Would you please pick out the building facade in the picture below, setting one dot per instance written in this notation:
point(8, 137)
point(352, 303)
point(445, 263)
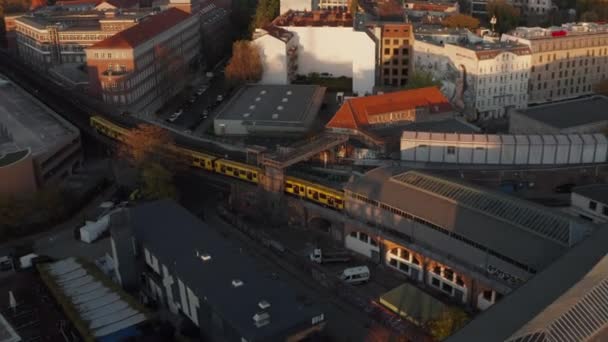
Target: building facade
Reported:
point(279, 54)
point(395, 53)
point(465, 242)
point(216, 32)
point(566, 61)
point(590, 202)
point(481, 78)
point(56, 38)
point(139, 69)
point(326, 41)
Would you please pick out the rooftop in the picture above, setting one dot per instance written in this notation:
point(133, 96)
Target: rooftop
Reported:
point(79, 20)
point(27, 123)
point(274, 31)
point(278, 105)
point(595, 192)
point(565, 302)
point(570, 113)
point(453, 125)
point(556, 32)
point(145, 30)
point(228, 262)
point(314, 18)
point(483, 49)
point(528, 233)
point(354, 113)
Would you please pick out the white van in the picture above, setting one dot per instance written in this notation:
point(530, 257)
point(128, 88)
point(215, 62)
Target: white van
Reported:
point(355, 275)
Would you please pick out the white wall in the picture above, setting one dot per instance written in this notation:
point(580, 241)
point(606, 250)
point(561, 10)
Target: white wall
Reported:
point(273, 53)
point(295, 5)
point(340, 51)
point(579, 206)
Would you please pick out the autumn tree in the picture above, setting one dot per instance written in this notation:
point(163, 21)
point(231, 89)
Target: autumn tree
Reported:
point(265, 12)
point(507, 16)
point(421, 79)
point(149, 150)
point(245, 65)
point(448, 322)
point(354, 6)
point(461, 21)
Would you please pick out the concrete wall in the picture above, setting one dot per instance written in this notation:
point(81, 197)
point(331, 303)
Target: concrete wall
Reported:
point(340, 51)
point(18, 177)
point(273, 53)
point(579, 206)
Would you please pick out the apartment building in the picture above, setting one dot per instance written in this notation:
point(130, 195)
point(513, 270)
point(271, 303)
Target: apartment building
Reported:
point(139, 69)
point(430, 12)
point(468, 243)
point(216, 32)
point(481, 78)
point(567, 61)
point(396, 42)
point(279, 53)
point(328, 43)
point(528, 8)
point(54, 38)
point(314, 5)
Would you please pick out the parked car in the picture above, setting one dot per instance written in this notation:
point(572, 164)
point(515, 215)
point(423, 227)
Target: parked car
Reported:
point(175, 115)
point(220, 98)
point(209, 75)
point(200, 91)
point(565, 188)
point(192, 99)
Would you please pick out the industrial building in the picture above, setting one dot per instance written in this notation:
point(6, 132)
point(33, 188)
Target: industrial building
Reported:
point(141, 68)
point(495, 149)
point(326, 41)
point(586, 115)
point(37, 146)
point(590, 202)
point(210, 280)
point(463, 241)
point(271, 110)
point(566, 302)
point(566, 61)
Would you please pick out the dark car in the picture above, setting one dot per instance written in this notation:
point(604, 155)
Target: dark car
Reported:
point(564, 188)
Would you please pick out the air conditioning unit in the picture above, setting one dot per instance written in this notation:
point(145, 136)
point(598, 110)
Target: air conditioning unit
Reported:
point(261, 319)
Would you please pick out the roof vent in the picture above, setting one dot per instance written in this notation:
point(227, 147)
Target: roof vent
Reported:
point(263, 304)
point(280, 108)
point(262, 92)
point(261, 319)
point(246, 115)
point(275, 116)
point(285, 99)
point(257, 99)
point(289, 92)
point(237, 283)
point(252, 107)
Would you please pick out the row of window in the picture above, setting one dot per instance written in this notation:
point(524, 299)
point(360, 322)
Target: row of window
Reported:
point(569, 43)
point(441, 230)
point(399, 42)
point(404, 52)
point(593, 206)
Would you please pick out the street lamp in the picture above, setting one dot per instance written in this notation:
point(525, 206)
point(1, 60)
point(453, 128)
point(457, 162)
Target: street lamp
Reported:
point(493, 22)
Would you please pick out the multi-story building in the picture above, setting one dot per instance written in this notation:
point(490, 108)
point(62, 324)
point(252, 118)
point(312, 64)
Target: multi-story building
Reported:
point(481, 78)
point(216, 32)
point(139, 69)
point(200, 275)
point(61, 37)
point(430, 12)
point(471, 244)
point(279, 53)
point(590, 202)
point(566, 61)
point(37, 146)
point(314, 5)
point(528, 8)
point(395, 51)
point(326, 41)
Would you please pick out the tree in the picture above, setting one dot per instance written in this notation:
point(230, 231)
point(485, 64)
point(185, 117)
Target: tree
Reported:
point(265, 12)
point(245, 65)
point(507, 16)
point(448, 322)
point(354, 6)
point(462, 21)
point(157, 182)
point(421, 79)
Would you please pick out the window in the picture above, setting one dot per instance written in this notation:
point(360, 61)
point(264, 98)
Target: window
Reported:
point(592, 205)
point(363, 237)
point(387, 51)
point(396, 41)
point(387, 42)
point(404, 51)
point(447, 288)
point(434, 281)
point(395, 51)
point(393, 262)
point(487, 295)
point(403, 267)
point(451, 150)
point(605, 211)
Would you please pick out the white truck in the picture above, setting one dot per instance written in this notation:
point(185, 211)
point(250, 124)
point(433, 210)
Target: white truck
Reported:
point(317, 255)
point(355, 275)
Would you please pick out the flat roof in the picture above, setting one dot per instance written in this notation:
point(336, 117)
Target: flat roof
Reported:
point(570, 113)
point(565, 302)
point(523, 231)
point(27, 123)
point(451, 125)
point(275, 105)
point(228, 262)
point(596, 192)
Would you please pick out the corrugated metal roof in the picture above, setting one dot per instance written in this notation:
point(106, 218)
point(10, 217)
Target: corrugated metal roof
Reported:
point(543, 223)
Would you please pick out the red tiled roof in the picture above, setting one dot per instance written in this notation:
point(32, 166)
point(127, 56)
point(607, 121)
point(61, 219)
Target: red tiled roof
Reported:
point(123, 3)
point(145, 30)
point(354, 113)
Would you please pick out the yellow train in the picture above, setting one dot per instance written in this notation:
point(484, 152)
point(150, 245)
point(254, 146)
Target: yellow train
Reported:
point(311, 191)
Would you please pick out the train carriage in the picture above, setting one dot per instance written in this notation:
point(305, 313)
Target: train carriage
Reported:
point(108, 128)
point(238, 170)
point(196, 159)
point(315, 192)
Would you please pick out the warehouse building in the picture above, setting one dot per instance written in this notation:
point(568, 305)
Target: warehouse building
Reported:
point(37, 146)
point(271, 110)
point(493, 149)
point(468, 243)
point(590, 202)
point(209, 279)
point(586, 115)
point(566, 302)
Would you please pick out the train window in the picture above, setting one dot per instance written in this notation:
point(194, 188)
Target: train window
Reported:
point(223, 168)
point(228, 168)
point(323, 196)
point(249, 176)
point(315, 195)
point(288, 186)
point(339, 201)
